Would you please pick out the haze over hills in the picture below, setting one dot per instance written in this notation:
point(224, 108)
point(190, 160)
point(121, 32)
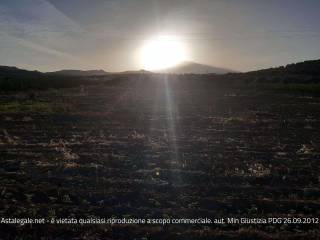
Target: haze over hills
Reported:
point(307, 68)
point(185, 67)
point(196, 68)
point(83, 73)
point(142, 71)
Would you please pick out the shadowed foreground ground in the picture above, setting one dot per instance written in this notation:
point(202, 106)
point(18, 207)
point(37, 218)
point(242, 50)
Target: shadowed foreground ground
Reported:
point(159, 150)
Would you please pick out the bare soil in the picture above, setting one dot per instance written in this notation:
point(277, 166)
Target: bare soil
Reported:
point(165, 149)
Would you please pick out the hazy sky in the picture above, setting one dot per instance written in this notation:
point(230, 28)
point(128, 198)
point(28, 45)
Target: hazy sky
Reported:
point(92, 34)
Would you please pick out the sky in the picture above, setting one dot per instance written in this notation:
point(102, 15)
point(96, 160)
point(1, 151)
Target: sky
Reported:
point(242, 35)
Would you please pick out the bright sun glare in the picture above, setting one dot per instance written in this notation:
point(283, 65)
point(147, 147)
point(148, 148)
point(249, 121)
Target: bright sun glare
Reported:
point(162, 52)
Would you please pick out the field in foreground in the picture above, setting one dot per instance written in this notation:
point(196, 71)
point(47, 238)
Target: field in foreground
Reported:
point(159, 149)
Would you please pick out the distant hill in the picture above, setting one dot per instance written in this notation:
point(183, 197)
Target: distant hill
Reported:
point(195, 68)
point(310, 67)
point(14, 72)
point(306, 72)
point(82, 73)
point(13, 79)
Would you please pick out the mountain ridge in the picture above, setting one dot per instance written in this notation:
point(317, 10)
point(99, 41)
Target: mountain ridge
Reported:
point(309, 67)
point(190, 67)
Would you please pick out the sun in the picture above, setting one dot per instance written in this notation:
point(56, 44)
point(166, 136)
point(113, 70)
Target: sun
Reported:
point(162, 52)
